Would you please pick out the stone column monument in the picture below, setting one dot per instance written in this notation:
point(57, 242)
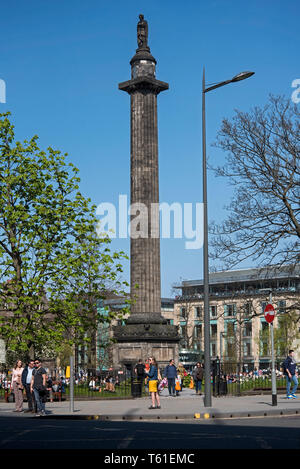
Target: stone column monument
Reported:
point(146, 332)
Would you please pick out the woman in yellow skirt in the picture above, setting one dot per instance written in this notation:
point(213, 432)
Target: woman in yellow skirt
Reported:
point(153, 381)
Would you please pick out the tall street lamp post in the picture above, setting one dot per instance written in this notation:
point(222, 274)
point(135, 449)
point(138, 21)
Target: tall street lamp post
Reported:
point(207, 386)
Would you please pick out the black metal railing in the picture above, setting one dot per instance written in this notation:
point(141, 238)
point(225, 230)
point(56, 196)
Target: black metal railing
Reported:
point(227, 378)
point(115, 384)
point(231, 378)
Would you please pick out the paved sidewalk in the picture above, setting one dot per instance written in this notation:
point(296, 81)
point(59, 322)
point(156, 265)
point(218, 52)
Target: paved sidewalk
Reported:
point(187, 406)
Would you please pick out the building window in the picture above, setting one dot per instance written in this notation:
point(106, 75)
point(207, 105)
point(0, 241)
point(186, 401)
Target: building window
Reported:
point(247, 309)
point(247, 329)
point(247, 349)
point(183, 313)
point(198, 331)
point(281, 306)
point(170, 322)
point(213, 310)
point(230, 310)
point(214, 331)
point(198, 312)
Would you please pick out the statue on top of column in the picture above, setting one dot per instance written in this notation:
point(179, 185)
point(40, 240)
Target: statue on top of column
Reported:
point(142, 33)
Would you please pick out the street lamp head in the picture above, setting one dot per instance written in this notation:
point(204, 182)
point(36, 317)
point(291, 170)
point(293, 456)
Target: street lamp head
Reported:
point(238, 77)
point(242, 76)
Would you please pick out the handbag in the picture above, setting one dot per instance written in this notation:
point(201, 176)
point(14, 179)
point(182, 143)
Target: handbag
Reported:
point(177, 385)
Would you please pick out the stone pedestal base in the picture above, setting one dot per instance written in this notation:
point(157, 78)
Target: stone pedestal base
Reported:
point(127, 353)
point(135, 341)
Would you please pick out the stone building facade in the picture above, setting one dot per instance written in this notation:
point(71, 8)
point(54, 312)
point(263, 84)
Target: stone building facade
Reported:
point(238, 329)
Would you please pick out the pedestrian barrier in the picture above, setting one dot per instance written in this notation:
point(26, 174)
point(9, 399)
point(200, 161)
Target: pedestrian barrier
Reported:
point(227, 378)
point(235, 379)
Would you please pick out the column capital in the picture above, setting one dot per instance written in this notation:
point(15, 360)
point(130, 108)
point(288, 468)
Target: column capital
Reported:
point(144, 85)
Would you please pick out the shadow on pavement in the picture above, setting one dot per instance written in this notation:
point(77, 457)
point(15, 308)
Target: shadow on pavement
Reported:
point(39, 433)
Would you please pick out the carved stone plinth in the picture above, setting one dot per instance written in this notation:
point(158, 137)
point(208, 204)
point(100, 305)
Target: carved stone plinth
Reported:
point(147, 332)
point(129, 352)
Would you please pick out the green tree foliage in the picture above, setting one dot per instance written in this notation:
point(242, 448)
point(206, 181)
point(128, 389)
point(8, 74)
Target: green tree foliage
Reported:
point(54, 266)
point(286, 333)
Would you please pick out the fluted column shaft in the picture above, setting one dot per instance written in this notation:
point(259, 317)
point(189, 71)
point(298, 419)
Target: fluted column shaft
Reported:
point(145, 250)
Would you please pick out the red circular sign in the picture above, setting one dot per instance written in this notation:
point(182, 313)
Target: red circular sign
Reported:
point(269, 313)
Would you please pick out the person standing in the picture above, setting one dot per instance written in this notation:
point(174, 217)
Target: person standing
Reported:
point(178, 385)
point(140, 373)
point(49, 385)
point(17, 386)
point(38, 386)
point(291, 375)
point(171, 374)
point(26, 380)
point(92, 384)
point(147, 368)
point(153, 379)
point(198, 377)
point(140, 370)
point(182, 373)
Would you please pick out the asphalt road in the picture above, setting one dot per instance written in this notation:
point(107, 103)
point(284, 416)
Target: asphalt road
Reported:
point(249, 433)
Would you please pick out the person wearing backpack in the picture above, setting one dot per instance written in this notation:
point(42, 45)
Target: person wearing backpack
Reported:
point(140, 373)
point(290, 371)
point(140, 370)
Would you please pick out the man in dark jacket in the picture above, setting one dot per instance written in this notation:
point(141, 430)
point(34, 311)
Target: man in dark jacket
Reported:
point(291, 374)
point(38, 386)
point(171, 374)
point(140, 369)
point(198, 377)
point(140, 372)
point(26, 380)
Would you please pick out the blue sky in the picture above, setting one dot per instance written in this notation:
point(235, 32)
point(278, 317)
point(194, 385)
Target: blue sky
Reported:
point(62, 62)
